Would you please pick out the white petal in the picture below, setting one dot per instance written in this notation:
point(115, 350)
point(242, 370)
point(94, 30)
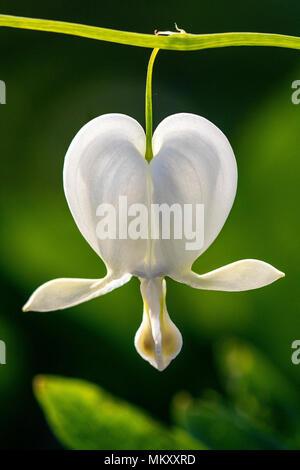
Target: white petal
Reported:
point(193, 164)
point(63, 293)
point(157, 340)
point(104, 161)
point(242, 275)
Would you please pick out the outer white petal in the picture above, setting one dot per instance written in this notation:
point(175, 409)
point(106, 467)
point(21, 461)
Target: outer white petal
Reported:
point(242, 275)
point(157, 340)
point(104, 161)
point(193, 164)
point(63, 293)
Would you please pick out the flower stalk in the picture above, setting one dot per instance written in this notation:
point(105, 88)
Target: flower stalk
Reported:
point(179, 42)
point(148, 107)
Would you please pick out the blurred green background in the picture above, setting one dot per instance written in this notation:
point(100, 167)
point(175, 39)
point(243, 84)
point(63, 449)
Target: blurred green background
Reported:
point(233, 385)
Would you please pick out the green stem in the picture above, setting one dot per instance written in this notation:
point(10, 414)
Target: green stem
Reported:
point(180, 42)
point(148, 107)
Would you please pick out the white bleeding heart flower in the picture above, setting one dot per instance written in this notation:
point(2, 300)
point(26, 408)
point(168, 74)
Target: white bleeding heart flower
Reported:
point(193, 163)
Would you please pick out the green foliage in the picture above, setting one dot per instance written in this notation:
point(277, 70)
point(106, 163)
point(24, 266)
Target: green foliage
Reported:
point(260, 391)
point(83, 416)
point(262, 410)
point(219, 425)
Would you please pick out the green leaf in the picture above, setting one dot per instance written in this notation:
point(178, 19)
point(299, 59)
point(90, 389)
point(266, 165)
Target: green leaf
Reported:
point(220, 426)
point(85, 417)
point(180, 42)
point(259, 390)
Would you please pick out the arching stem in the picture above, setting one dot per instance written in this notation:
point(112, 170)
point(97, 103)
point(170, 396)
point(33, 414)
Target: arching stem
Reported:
point(148, 107)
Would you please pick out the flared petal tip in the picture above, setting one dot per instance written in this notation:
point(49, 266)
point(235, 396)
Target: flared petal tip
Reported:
point(240, 276)
point(274, 274)
point(67, 292)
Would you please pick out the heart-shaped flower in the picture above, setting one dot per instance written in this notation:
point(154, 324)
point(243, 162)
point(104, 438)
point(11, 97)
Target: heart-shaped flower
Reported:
point(193, 165)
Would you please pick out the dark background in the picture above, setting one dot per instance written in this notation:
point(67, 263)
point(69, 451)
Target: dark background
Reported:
point(57, 83)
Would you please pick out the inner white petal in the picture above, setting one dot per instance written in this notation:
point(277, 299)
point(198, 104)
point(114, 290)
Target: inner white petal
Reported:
point(157, 340)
